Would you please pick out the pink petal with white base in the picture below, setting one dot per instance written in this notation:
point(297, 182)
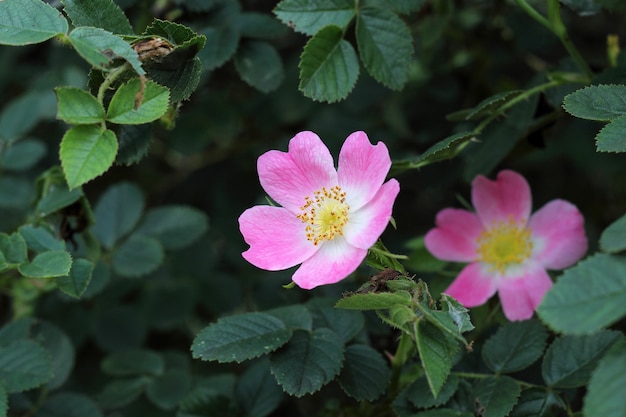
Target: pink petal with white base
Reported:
point(521, 295)
point(474, 285)
point(289, 177)
point(506, 198)
point(335, 260)
point(276, 238)
point(365, 225)
point(362, 168)
point(454, 238)
point(558, 235)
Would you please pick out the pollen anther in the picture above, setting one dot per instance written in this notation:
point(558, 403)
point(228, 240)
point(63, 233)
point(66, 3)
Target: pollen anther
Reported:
point(325, 214)
point(504, 244)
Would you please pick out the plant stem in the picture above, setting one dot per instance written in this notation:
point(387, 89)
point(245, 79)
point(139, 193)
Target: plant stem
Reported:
point(403, 353)
point(108, 80)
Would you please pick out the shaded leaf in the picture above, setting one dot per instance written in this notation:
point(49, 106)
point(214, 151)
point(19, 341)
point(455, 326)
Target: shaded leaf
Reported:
point(24, 364)
point(259, 65)
point(294, 316)
point(104, 14)
point(40, 239)
point(537, 402)
point(346, 324)
point(117, 212)
point(605, 392)
point(613, 238)
point(137, 256)
point(77, 281)
point(54, 263)
point(22, 155)
point(496, 396)
point(309, 16)
point(68, 404)
point(121, 392)
point(515, 346)
point(174, 226)
point(100, 47)
point(221, 45)
point(13, 247)
point(365, 373)
point(421, 396)
point(257, 391)
point(133, 362)
point(61, 351)
point(436, 350)
point(612, 137)
point(167, 390)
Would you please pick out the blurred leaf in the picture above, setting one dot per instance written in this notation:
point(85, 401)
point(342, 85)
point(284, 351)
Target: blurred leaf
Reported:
point(221, 45)
point(57, 197)
point(259, 65)
point(167, 390)
point(25, 22)
point(23, 113)
point(587, 297)
point(308, 361)
point(420, 395)
point(385, 46)
point(198, 5)
point(447, 148)
point(436, 350)
point(605, 390)
point(24, 364)
point(18, 329)
point(4, 401)
point(174, 226)
point(100, 278)
point(515, 346)
point(54, 263)
point(597, 102)
point(496, 396)
point(40, 239)
point(345, 323)
point(537, 402)
point(583, 7)
point(104, 14)
point(13, 247)
point(77, 281)
point(22, 155)
point(134, 143)
point(87, 151)
point(310, 16)
point(59, 348)
point(240, 337)
point(365, 373)
point(611, 137)
point(117, 212)
point(118, 328)
point(77, 106)
point(457, 312)
point(570, 360)
point(99, 48)
point(259, 26)
point(613, 238)
point(374, 301)
point(257, 391)
point(133, 362)
point(130, 105)
point(488, 107)
point(328, 66)
point(137, 256)
point(399, 6)
point(68, 404)
point(294, 316)
point(121, 392)
point(15, 192)
point(614, 5)
point(169, 305)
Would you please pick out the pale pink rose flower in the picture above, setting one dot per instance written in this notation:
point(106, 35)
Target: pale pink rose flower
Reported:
point(329, 217)
point(508, 250)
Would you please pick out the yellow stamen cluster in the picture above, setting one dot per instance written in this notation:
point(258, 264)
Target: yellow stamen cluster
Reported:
point(504, 244)
point(325, 214)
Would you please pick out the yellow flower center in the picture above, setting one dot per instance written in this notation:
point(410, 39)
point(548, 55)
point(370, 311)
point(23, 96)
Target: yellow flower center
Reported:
point(325, 214)
point(506, 243)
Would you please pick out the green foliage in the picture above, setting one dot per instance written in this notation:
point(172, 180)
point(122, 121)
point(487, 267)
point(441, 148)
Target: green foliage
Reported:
point(365, 374)
point(100, 13)
point(259, 64)
point(309, 17)
point(496, 396)
point(150, 102)
point(25, 22)
point(613, 238)
point(54, 263)
point(515, 346)
point(24, 364)
point(606, 385)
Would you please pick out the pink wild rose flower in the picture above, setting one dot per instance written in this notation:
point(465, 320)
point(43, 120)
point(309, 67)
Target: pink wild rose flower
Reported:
point(329, 217)
point(508, 250)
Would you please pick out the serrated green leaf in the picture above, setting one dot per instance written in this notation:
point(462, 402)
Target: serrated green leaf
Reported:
point(257, 391)
point(385, 46)
point(587, 297)
point(374, 301)
point(137, 256)
point(100, 47)
point(76, 282)
point(605, 392)
point(310, 16)
point(13, 247)
point(515, 346)
point(328, 66)
point(345, 323)
point(68, 404)
point(133, 362)
point(496, 396)
point(365, 373)
point(294, 316)
point(241, 337)
point(420, 395)
point(24, 364)
point(259, 65)
point(24, 22)
point(131, 105)
point(22, 155)
point(167, 390)
point(597, 102)
point(570, 360)
point(457, 312)
point(488, 107)
point(612, 137)
point(537, 402)
point(436, 349)
point(444, 149)
point(122, 392)
point(40, 239)
point(57, 197)
point(61, 351)
point(174, 226)
point(221, 45)
point(174, 32)
point(50, 264)
point(117, 212)
point(308, 361)
point(87, 151)
point(134, 143)
point(613, 238)
point(104, 14)
point(77, 106)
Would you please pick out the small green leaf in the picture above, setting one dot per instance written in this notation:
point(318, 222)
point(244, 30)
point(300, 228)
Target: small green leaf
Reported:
point(308, 362)
point(587, 297)
point(132, 106)
point(87, 151)
point(134, 143)
point(613, 238)
point(515, 346)
point(122, 392)
point(24, 22)
point(310, 16)
point(365, 374)
point(77, 106)
point(446, 149)
point(257, 391)
point(77, 281)
point(24, 364)
point(13, 247)
point(537, 402)
point(491, 106)
point(458, 313)
point(58, 197)
point(117, 212)
point(345, 323)
point(100, 47)
point(420, 395)
point(385, 46)
point(54, 263)
point(496, 396)
point(104, 14)
point(133, 362)
point(137, 256)
point(241, 337)
point(570, 360)
point(612, 137)
point(174, 226)
point(221, 45)
point(167, 390)
point(22, 155)
point(374, 301)
point(68, 404)
point(259, 65)
point(40, 239)
point(60, 349)
point(436, 350)
point(328, 65)
point(597, 102)
point(605, 392)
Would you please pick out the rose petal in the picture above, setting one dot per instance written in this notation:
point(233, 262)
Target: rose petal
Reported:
point(474, 285)
point(558, 235)
point(289, 177)
point(334, 261)
point(521, 294)
point(366, 225)
point(455, 237)
point(362, 168)
point(506, 198)
point(276, 237)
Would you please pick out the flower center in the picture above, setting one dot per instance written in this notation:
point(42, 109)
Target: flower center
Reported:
point(504, 244)
point(325, 214)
